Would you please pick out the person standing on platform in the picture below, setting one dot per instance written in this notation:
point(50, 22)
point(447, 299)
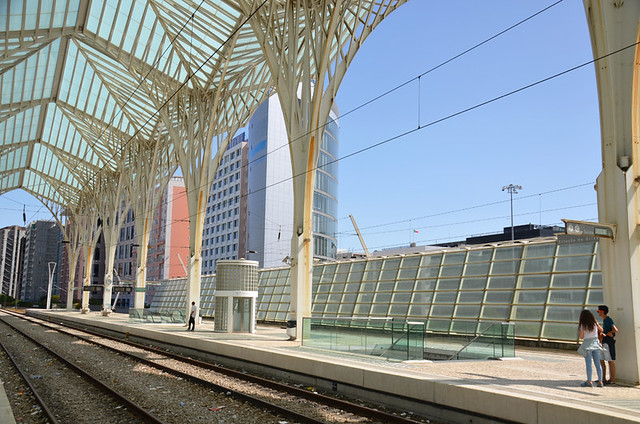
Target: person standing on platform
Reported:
point(192, 317)
point(588, 329)
point(609, 331)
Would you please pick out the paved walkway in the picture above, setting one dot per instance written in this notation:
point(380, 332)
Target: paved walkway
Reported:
point(542, 380)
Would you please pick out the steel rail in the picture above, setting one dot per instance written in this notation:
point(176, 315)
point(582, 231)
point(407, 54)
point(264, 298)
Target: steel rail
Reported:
point(135, 409)
point(255, 401)
point(295, 391)
point(45, 408)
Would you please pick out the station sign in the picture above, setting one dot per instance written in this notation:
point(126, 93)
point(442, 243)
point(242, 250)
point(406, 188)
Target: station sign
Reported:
point(573, 239)
point(593, 229)
point(122, 289)
point(93, 288)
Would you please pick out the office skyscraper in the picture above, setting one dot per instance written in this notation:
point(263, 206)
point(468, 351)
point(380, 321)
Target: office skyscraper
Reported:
point(250, 208)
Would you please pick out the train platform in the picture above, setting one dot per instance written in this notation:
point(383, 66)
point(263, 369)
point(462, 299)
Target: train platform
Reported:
point(538, 386)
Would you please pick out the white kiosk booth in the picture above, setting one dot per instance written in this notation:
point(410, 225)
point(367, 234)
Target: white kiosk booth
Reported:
point(236, 295)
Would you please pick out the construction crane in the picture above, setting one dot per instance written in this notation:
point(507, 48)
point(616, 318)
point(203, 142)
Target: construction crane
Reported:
point(364, 246)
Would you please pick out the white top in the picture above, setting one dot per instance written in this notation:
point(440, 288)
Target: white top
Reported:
point(590, 334)
point(193, 310)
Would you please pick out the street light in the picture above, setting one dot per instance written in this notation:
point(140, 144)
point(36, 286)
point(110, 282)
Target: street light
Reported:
point(52, 269)
point(512, 189)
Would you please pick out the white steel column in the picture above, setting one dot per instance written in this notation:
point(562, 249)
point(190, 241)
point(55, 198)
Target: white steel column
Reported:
point(113, 203)
point(614, 27)
point(90, 231)
point(308, 46)
point(153, 170)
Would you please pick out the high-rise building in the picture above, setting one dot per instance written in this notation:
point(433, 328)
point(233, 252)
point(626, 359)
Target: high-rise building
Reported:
point(125, 260)
point(225, 230)
point(169, 241)
point(11, 253)
point(43, 241)
point(270, 188)
point(250, 207)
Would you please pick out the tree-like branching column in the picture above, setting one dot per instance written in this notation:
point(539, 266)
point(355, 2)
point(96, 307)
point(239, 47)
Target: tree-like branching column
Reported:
point(308, 46)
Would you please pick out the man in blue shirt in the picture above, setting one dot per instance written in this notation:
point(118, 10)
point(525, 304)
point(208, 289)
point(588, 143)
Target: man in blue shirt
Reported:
point(608, 333)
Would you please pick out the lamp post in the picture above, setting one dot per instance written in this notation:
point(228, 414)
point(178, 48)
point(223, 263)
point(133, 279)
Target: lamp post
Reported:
point(52, 269)
point(512, 189)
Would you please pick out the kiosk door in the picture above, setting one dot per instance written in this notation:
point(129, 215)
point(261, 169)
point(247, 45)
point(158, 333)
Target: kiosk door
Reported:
point(241, 314)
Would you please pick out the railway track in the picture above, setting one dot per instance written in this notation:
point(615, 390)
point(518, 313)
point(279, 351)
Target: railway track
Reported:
point(33, 360)
point(285, 401)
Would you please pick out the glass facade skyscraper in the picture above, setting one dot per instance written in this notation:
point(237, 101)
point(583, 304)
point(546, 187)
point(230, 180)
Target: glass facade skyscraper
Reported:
point(270, 188)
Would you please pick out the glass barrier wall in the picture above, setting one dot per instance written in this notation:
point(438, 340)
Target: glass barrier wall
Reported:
point(387, 338)
point(539, 285)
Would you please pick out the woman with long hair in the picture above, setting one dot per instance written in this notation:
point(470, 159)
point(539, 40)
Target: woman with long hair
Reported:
point(588, 328)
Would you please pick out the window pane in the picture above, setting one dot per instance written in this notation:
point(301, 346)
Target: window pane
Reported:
point(352, 287)
point(445, 297)
point(527, 329)
point(399, 309)
point(470, 297)
point(365, 297)
point(477, 269)
point(405, 285)
point(562, 331)
point(449, 284)
point(532, 296)
point(474, 283)
point(570, 280)
point(567, 296)
point(574, 263)
point(441, 310)
point(540, 250)
point(431, 272)
point(508, 253)
point(480, 255)
point(575, 249)
point(431, 260)
point(425, 285)
point(535, 281)
point(564, 313)
point(537, 265)
point(402, 297)
point(382, 298)
point(467, 311)
point(424, 297)
point(505, 267)
point(528, 312)
point(411, 262)
point(346, 309)
point(454, 258)
point(496, 312)
point(499, 297)
point(451, 271)
point(408, 273)
point(502, 282)
point(594, 297)
point(416, 310)
point(380, 309)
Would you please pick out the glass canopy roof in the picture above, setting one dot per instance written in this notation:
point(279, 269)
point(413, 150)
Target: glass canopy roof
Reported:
point(82, 79)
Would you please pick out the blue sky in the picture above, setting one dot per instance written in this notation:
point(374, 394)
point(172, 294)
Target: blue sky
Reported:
point(438, 179)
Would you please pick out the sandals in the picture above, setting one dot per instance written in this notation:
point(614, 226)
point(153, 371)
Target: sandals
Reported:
point(586, 384)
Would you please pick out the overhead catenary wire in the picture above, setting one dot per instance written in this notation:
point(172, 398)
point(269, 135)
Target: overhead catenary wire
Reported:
point(399, 136)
